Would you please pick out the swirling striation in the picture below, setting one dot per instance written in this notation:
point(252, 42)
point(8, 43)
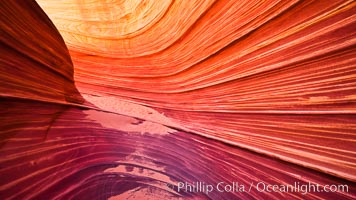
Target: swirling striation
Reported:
point(174, 92)
point(281, 82)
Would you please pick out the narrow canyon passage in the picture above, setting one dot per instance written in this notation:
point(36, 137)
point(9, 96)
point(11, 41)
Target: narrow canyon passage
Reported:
point(177, 99)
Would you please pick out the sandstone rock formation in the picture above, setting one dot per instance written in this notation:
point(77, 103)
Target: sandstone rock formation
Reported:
point(130, 99)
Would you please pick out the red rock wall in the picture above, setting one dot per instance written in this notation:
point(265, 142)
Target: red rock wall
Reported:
point(176, 91)
point(35, 63)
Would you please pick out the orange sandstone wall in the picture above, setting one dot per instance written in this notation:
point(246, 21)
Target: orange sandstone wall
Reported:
point(274, 77)
point(155, 94)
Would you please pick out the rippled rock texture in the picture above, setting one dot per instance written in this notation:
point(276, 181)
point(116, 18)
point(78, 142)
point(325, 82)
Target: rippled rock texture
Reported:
point(133, 99)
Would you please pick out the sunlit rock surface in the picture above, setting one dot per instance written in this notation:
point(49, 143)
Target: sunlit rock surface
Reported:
point(172, 92)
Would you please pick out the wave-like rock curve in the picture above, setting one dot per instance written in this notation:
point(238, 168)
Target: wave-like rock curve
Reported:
point(151, 95)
